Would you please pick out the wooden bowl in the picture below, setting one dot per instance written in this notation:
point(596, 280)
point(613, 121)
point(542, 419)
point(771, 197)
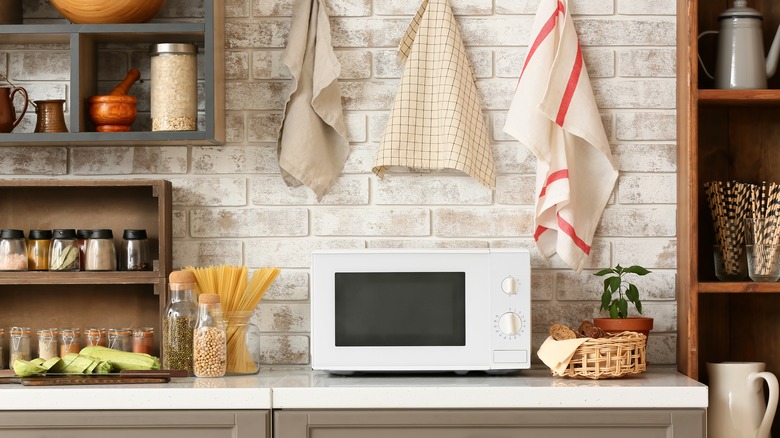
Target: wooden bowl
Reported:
point(112, 113)
point(108, 11)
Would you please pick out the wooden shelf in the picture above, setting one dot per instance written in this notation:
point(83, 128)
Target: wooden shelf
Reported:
point(81, 277)
point(708, 97)
point(739, 287)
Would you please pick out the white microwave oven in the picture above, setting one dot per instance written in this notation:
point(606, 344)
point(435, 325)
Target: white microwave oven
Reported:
point(397, 310)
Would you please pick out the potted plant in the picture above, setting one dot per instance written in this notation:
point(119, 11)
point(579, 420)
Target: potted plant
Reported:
point(618, 293)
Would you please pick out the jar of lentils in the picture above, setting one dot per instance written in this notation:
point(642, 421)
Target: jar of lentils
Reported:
point(209, 345)
point(179, 322)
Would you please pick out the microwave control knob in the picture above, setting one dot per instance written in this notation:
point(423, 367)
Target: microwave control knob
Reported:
point(510, 323)
point(510, 285)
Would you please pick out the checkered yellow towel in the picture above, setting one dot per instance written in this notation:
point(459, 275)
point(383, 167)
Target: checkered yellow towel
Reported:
point(312, 145)
point(436, 122)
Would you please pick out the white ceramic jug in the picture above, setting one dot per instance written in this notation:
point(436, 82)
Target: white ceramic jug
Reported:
point(736, 400)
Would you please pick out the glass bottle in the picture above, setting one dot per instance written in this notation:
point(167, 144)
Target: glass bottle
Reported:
point(38, 243)
point(13, 251)
point(47, 343)
point(64, 253)
point(101, 252)
point(120, 339)
point(179, 322)
point(174, 87)
point(243, 337)
point(70, 341)
point(209, 338)
point(143, 340)
point(134, 254)
point(20, 345)
point(81, 241)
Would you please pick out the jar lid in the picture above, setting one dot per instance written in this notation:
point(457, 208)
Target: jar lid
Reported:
point(102, 234)
point(68, 233)
point(208, 299)
point(12, 234)
point(183, 48)
point(40, 234)
point(182, 276)
point(83, 234)
point(134, 234)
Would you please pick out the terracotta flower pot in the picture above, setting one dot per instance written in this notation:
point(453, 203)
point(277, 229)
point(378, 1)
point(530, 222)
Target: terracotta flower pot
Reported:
point(616, 325)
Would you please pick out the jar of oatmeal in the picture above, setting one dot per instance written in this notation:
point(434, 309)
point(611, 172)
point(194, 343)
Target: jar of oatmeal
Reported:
point(47, 343)
point(174, 87)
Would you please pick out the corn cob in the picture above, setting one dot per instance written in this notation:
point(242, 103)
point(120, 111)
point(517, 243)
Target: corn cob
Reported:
point(122, 360)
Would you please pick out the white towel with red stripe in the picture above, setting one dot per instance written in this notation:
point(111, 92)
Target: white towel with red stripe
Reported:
point(555, 115)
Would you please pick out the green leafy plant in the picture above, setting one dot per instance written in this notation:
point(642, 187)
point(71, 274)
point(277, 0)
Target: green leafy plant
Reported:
point(615, 285)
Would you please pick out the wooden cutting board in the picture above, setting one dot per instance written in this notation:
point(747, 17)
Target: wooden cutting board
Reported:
point(75, 380)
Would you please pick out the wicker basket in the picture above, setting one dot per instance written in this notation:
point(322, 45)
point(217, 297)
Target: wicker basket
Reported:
point(613, 356)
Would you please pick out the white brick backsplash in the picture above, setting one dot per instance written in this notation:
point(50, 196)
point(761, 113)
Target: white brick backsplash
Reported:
point(542, 285)
point(387, 65)
point(509, 62)
point(440, 190)
point(272, 190)
point(179, 224)
point(647, 7)
point(662, 348)
point(357, 127)
point(516, 189)
point(264, 127)
point(284, 350)
point(461, 222)
point(371, 222)
point(367, 96)
point(47, 161)
point(496, 94)
point(251, 35)
point(209, 191)
point(279, 8)
point(369, 32)
point(377, 122)
point(286, 317)
point(40, 66)
point(234, 128)
point(647, 189)
point(409, 7)
point(292, 253)
point(427, 243)
point(234, 159)
point(360, 159)
point(513, 158)
point(237, 8)
point(646, 126)
point(120, 160)
point(584, 286)
point(578, 7)
point(637, 31)
point(635, 62)
point(206, 253)
point(289, 286)
point(638, 221)
point(267, 64)
point(255, 96)
point(236, 65)
point(647, 93)
point(355, 64)
point(645, 157)
point(650, 253)
point(599, 253)
point(255, 222)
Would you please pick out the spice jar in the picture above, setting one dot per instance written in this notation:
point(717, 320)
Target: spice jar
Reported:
point(120, 339)
point(38, 243)
point(179, 322)
point(143, 340)
point(81, 241)
point(174, 88)
point(96, 336)
point(101, 252)
point(64, 253)
point(13, 251)
point(134, 254)
point(70, 341)
point(243, 337)
point(47, 343)
point(20, 345)
point(209, 338)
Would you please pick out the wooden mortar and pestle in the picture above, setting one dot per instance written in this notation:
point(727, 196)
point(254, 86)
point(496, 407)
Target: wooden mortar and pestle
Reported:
point(115, 111)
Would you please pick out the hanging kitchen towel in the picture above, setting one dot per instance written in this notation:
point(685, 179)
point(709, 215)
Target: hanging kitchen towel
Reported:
point(312, 143)
point(555, 115)
point(436, 121)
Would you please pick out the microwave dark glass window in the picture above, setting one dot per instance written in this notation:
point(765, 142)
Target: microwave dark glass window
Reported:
point(400, 309)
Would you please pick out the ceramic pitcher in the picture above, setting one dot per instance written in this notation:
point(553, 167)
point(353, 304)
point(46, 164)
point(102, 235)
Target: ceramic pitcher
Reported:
point(736, 400)
point(8, 119)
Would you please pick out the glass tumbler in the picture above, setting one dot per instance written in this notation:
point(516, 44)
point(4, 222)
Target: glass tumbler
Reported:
point(762, 242)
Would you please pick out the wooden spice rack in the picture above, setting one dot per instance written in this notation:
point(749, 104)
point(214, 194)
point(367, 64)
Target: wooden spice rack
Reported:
point(42, 299)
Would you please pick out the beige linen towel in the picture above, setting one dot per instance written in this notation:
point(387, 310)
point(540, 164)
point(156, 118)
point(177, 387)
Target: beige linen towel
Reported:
point(554, 113)
point(312, 144)
point(558, 354)
point(436, 121)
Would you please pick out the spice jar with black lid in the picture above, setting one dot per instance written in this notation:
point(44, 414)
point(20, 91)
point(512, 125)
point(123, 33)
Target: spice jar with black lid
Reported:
point(81, 240)
point(134, 252)
point(101, 252)
point(13, 251)
point(38, 244)
point(64, 253)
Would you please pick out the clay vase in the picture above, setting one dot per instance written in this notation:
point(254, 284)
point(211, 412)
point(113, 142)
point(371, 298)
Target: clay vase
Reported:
point(736, 400)
point(51, 117)
point(8, 119)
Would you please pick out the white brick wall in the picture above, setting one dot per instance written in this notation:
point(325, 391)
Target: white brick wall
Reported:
point(231, 205)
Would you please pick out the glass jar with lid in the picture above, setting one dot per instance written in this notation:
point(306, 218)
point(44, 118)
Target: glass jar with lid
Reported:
point(81, 241)
point(20, 345)
point(96, 336)
point(38, 245)
point(174, 87)
point(143, 340)
point(101, 252)
point(13, 251)
point(243, 338)
point(70, 340)
point(64, 253)
point(134, 252)
point(120, 339)
point(47, 343)
point(179, 321)
point(209, 338)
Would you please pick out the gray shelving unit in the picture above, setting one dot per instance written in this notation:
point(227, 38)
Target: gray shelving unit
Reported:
point(84, 39)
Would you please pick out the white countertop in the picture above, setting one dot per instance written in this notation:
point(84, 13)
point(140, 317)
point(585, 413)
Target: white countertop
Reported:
point(659, 387)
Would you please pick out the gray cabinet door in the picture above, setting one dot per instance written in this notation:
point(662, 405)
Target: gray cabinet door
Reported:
point(134, 424)
point(531, 423)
